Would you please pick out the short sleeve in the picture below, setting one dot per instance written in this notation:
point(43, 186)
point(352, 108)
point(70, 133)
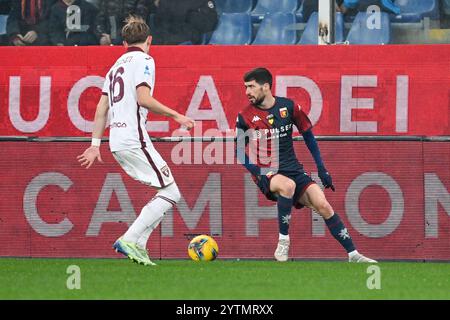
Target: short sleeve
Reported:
point(301, 120)
point(145, 73)
point(105, 89)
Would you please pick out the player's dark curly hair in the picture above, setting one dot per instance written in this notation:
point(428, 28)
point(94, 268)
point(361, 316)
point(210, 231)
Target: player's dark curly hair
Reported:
point(135, 30)
point(260, 75)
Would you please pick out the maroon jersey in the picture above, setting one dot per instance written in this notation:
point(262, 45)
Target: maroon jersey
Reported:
point(272, 128)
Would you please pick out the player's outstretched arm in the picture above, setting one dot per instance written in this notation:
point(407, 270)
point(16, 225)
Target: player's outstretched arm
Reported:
point(93, 152)
point(146, 100)
point(313, 147)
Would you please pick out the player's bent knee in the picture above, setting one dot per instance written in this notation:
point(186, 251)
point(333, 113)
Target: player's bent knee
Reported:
point(288, 188)
point(291, 187)
point(282, 185)
point(176, 195)
point(172, 192)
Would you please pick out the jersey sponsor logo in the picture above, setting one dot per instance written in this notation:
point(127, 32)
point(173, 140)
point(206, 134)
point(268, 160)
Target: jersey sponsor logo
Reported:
point(283, 112)
point(147, 70)
point(273, 133)
point(118, 125)
point(165, 171)
point(270, 119)
point(255, 118)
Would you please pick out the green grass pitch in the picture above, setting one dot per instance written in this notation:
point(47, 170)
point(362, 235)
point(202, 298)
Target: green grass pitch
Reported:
point(35, 278)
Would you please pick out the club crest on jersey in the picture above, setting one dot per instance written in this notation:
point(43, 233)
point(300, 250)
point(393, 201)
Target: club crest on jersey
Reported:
point(283, 112)
point(270, 174)
point(270, 119)
point(165, 171)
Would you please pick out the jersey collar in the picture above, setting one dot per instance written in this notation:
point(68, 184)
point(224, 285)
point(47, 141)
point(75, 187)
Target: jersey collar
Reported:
point(131, 49)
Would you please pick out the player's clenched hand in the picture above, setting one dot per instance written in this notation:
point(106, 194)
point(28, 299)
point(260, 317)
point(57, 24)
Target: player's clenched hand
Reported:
point(325, 178)
point(184, 121)
point(18, 41)
point(105, 39)
point(30, 37)
point(89, 155)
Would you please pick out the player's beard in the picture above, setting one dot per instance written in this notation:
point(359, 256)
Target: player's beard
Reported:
point(258, 101)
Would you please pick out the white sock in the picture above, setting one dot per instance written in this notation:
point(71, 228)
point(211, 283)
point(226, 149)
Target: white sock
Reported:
point(283, 237)
point(151, 215)
point(143, 239)
point(354, 252)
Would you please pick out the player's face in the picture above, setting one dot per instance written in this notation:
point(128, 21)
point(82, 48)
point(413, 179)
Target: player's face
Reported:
point(254, 92)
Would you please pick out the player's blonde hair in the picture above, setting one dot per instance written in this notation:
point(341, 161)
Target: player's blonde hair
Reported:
point(135, 30)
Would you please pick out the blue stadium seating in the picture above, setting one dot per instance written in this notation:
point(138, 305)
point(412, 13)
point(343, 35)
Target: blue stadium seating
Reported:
point(360, 33)
point(411, 10)
point(310, 34)
point(264, 7)
point(416, 10)
point(277, 28)
point(189, 43)
point(387, 5)
point(299, 13)
point(234, 6)
point(446, 6)
point(233, 28)
point(3, 19)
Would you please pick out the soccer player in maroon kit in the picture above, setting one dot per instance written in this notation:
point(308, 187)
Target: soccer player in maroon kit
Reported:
point(271, 119)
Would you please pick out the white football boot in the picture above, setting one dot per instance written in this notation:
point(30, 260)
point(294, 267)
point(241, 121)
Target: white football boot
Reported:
point(357, 257)
point(282, 252)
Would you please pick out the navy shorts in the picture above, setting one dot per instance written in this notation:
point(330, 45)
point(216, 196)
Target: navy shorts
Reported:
point(302, 181)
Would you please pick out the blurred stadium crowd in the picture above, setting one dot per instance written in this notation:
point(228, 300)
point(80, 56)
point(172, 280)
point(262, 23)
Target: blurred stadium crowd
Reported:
point(240, 22)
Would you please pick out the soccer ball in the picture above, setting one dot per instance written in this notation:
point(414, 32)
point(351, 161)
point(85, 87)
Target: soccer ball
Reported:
point(203, 248)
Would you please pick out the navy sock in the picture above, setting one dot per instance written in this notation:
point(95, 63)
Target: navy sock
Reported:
point(339, 232)
point(284, 214)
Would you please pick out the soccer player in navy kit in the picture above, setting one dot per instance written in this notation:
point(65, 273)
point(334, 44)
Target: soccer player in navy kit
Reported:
point(268, 118)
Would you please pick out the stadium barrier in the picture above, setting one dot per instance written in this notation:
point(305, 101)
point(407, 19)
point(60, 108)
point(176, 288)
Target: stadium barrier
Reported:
point(392, 194)
point(346, 90)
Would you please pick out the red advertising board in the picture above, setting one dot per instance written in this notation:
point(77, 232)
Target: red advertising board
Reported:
point(346, 90)
point(394, 198)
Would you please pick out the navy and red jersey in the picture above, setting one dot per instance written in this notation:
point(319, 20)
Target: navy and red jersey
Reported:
point(262, 126)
